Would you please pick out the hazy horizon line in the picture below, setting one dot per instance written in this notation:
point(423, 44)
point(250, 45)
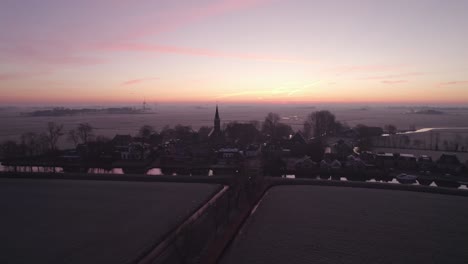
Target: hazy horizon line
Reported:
point(151, 103)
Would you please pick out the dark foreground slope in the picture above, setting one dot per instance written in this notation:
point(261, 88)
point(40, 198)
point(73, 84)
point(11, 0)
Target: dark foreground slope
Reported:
point(79, 221)
point(319, 224)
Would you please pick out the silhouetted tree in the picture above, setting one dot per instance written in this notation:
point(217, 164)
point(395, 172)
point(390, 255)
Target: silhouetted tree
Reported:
point(145, 132)
point(270, 123)
point(72, 136)
point(320, 123)
point(240, 133)
point(53, 132)
point(167, 133)
point(85, 132)
point(184, 133)
point(181, 132)
point(273, 128)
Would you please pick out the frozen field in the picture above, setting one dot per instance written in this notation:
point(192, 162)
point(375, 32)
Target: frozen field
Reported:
point(14, 124)
point(318, 224)
point(78, 221)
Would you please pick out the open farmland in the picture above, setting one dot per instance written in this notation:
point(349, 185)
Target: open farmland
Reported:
point(14, 124)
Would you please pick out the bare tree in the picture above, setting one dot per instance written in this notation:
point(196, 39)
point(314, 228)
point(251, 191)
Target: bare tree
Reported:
point(73, 137)
point(270, 124)
point(53, 132)
point(85, 132)
point(320, 123)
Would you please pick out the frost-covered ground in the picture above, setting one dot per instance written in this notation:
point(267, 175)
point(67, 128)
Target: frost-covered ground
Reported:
point(14, 124)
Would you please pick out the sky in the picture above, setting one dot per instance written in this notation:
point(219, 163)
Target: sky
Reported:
point(272, 51)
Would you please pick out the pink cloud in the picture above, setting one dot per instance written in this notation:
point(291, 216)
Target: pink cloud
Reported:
point(367, 68)
point(20, 75)
point(70, 49)
point(180, 17)
point(201, 52)
point(394, 82)
point(45, 54)
point(137, 81)
point(453, 83)
point(393, 76)
point(8, 76)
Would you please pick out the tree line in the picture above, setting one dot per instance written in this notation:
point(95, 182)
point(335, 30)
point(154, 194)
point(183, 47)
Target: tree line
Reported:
point(317, 124)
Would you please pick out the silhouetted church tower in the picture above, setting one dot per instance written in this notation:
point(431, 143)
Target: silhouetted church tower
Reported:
point(216, 135)
point(217, 122)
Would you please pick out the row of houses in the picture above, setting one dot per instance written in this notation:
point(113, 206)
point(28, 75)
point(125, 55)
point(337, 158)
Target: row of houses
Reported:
point(121, 147)
point(369, 163)
point(447, 163)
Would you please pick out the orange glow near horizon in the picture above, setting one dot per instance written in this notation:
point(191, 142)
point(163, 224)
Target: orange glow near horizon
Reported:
point(124, 100)
point(234, 51)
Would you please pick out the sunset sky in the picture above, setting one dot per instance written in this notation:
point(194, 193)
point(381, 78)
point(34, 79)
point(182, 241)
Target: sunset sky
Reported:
point(122, 51)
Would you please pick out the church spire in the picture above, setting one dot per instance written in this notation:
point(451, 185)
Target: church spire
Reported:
point(217, 121)
point(217, 114)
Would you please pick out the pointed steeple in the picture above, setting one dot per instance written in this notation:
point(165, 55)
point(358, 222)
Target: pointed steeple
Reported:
point(217, 121)
point(216, 136)
point(217, 114)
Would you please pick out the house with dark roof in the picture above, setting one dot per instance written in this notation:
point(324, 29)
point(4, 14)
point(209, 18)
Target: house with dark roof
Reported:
point(298, 138)
point(449, 163)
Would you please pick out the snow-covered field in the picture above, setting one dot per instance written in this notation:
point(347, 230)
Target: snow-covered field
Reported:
point(14, 124)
